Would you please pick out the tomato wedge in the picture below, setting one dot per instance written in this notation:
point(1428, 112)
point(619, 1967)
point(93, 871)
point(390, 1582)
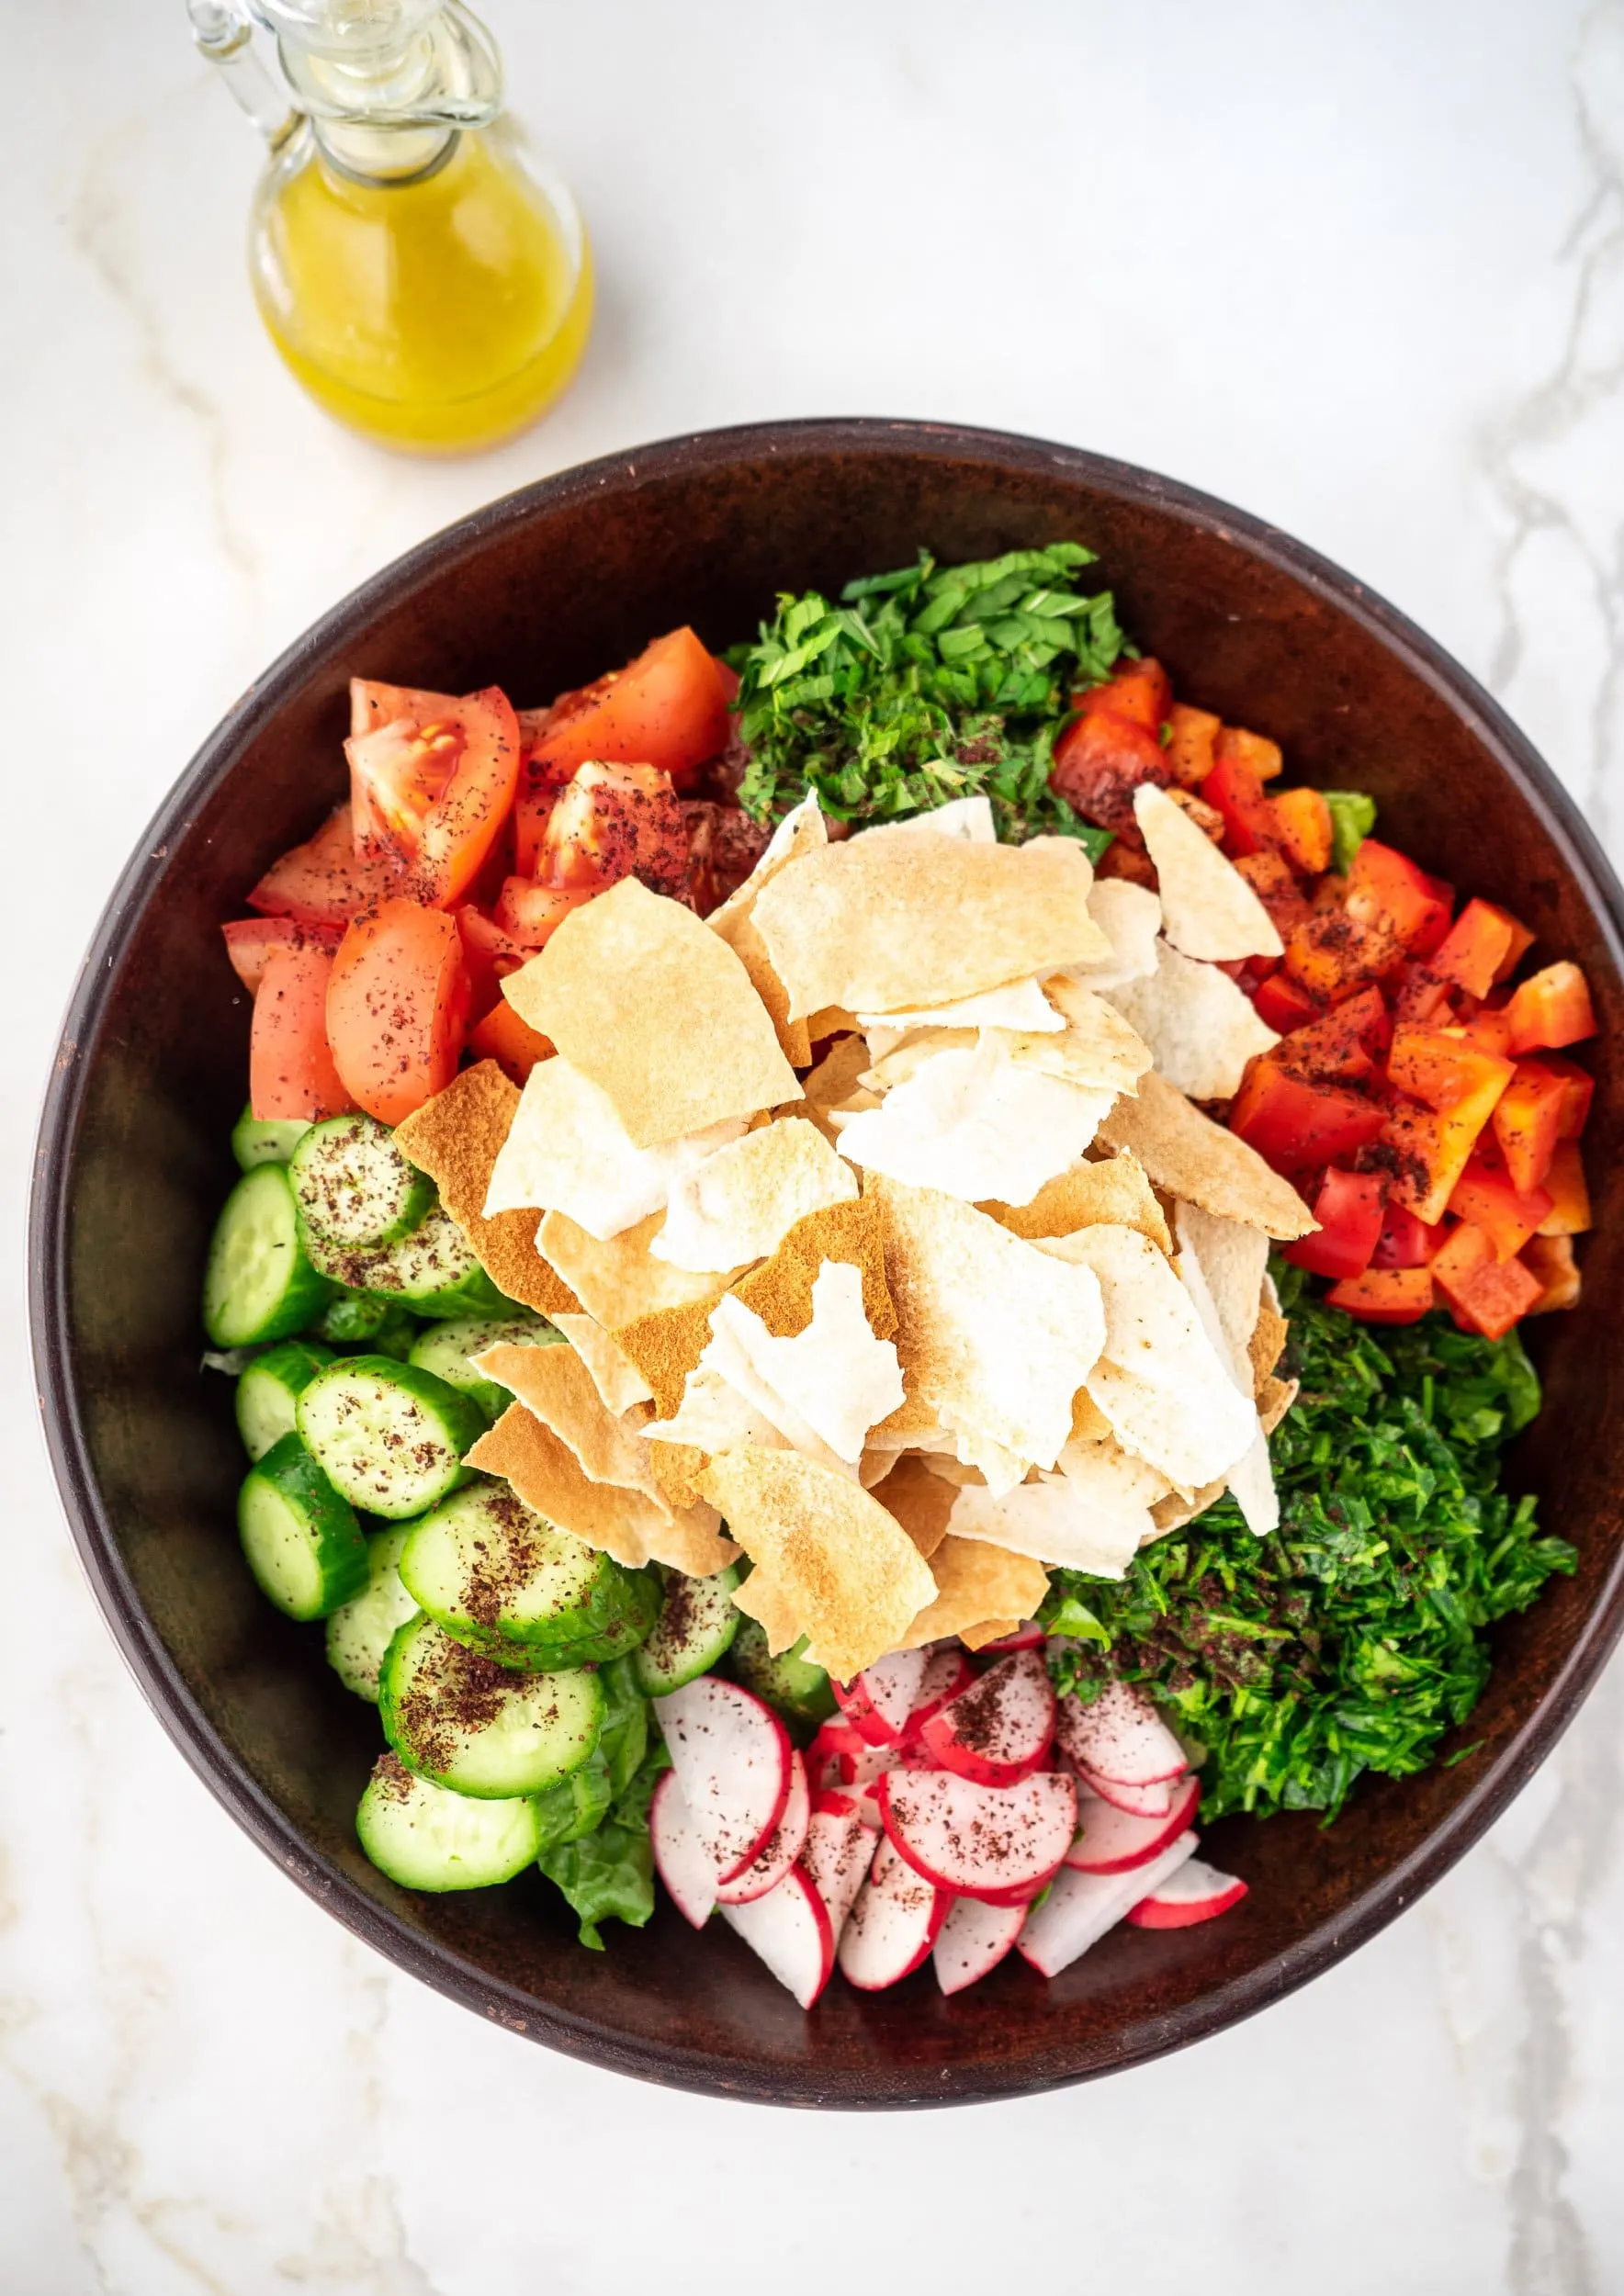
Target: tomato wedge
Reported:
point(373, 705)
point(615, 821)
point(291, 1072)
point(325, 882)
point(434, 790)
point(250, 940)
point(397, 1005)
point(669, 709)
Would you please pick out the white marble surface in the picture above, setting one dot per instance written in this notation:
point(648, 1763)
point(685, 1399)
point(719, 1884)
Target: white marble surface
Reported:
point(1358, 267)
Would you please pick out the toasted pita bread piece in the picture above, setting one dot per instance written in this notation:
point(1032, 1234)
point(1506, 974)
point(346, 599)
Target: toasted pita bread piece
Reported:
point(619, 1280)
point(1061, 1520)
point(976, 1123)
point(613, 1374)
point(1130, 915)
point(631, 987)
point(456, 1138)
point(844, 1571)
point(984, 1330)
point(1201, 1028)
point(564, 1396)
point(1114, 1189)
point(1268, 1343)
point(1251, 1479)
point(800, 831)
point(825, 1387)
point(1021, 1005)
point(1275, 1401)
point(740, 1204)
point(1185, 1153)
point(779, 1289)
point(633, 1529)
point(969, 817)
point(980, 1588)
point(1235, 1260)
point(886, 924)
point(1208, 908)
point(921, 1502)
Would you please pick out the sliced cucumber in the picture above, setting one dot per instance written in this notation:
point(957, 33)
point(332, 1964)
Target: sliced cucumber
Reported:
point(499, 1578)
point(301, 1538)
point(446, 1349)
point(432, 1270)
point(470, 1725)
point(425, 1837)
point(265, 1139)
point(696, 1625)
point(269, 1390)
point(357, 1319)
point(390, 1437)
point(360, 1631)
point(259, 1283)
point(790, 1684)
point(353, 1186)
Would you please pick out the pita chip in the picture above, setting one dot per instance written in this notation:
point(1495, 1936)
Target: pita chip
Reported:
point(714, 1415)
point(613, 1374)
point(628, 988)
point(1019, 1004)
point(921, 1502)
point(1208, 908)
point(824, 1386)
point(1266, 1344)
point(844, 1570)
point(1113, 1189)
point(1251, 1479)
point(563, 1393)
point(1235, 1260)
point(883, 924)
point(1058, 1520)
point(978, 1585)
point(740, 1203)
point(779, 1289)
point(800, 831)
point(456, 1138)
point(1276, 1401)
point(623, 1524)
point(1200, 1026)
point(666, 1345)
point(619, 1280)
point(568, 1151)
point(1185, 1153)
point(967, 817)
point(1130, 915)
point(974, 1124)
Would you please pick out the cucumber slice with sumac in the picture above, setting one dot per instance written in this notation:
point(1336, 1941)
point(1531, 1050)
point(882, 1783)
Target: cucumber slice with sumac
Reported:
point(425, 1836)
point(260, 1284)
point(478, 1727)
point(796, 1689)
point(502, 1579)
point(360, 1631)
point(353, 1186)
point(269, 1390)
point(447, 1349)
point(388, 1436)
point(695, 1630)
point(265, 1139)
point(303, 1544)
point(432, 1270)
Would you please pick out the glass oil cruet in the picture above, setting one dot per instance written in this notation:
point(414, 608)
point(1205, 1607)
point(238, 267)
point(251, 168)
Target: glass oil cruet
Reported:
point(425, 280)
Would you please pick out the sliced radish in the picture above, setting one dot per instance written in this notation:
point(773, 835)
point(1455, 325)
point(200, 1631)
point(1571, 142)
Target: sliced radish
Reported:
point(1081, 1907)
point(948, 1674)
point(732, 1754)
point(1112, 1841)
point(1119, 1736)
point(1027, 1635)
point(689, 1876)
point(782, 1847)
point(998, 1730)
point(1197, 1892)
point(789, 1928)
point(835, 1743)
point(839, 1852)
point(893, 1925)
point(979, 1841)
point(1135, 1801)
point(974, 1938)
point(878, 1703)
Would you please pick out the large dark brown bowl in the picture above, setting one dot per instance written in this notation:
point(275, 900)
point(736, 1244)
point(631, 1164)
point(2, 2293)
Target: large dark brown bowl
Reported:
point(542, 591)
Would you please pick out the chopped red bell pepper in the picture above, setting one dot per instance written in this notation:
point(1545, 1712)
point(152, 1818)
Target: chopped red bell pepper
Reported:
point(1282, 1005)
point(1569, 1196)
point(1386, 888)
point(1255, 751)
point(1404, 1241)
point(1303, 829)
point(1550, 1009)
point(1237, 791)
point(1487, 1195)
point(1294, 1123)
point(1348, 1209)
point(1486, 1295)
point(1486, 1029)
point(1478, 949)
point(1341, 1046)
point(1418, 995)
point(1137, 691)
point(1528, 1121)
point(1385, 1295)
point(1331, 954)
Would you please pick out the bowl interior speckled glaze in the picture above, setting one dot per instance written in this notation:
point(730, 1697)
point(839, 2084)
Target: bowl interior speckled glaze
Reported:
point(543, 591)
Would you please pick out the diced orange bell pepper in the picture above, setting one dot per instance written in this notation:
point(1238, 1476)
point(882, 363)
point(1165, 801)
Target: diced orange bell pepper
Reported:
point(1486, 1029)
point(1237, 791)
point(1337, 1046)
point(1272, 879)
point(1348, 1209)
point(1569, 1196)
point(1549, 1259)
point(1419, 994)
point(1581, 1091)
point(1295, 1124)
point(1255, 751)
point(1282, 1005)
point(1529, 1121)
point(1477, 950)
point(1331, 954)
point(1386, 888)
point(1190, 750)
point(1429, 1146)
point(1486, 1295)
point(1485, 1195)
point(1445, 1071)
point(513, 1043)
point(1138, 691)
point(1551, 1009)
point(1385, 1295)
point(1302, 827)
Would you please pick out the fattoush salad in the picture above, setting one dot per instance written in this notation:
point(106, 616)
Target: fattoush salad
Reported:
point(876, 1278)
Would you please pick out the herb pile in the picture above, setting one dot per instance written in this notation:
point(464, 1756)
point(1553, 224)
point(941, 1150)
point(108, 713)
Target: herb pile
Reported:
point(1353, 1639)
point(925, 685)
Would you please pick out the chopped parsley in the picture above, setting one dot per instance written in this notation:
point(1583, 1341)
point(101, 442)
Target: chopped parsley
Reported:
point(1353, 1639)
point(931, 683)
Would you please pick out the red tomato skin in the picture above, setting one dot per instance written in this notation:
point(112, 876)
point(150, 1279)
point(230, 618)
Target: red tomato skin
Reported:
point(324, 881)
point(251, 939)
point(1099, 761)
point(463, 826)
point(397, 1005)
point(291, 1072)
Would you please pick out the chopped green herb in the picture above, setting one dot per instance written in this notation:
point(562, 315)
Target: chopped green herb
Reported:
point(1353, 816)
point(1353, 1639)
point(926, 684)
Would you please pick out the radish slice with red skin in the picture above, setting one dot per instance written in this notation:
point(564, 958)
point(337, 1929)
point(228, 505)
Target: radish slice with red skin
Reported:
point(1197, 1892)
point(974, 1938)
point(1111, 1840)
point(1081, 1907)
point(979, 1841)
point(893, 1925)
point(839, 1852)
point(833, 1745)
point(1027, 1635)
point(998, 1730)
point(1119, 1736)
point(948, 1674)
point(1136, 1801)
point(789, 1929)
point(878, 1703)
point(769, 1867)
point(732, 1754)
point(682, 1865)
